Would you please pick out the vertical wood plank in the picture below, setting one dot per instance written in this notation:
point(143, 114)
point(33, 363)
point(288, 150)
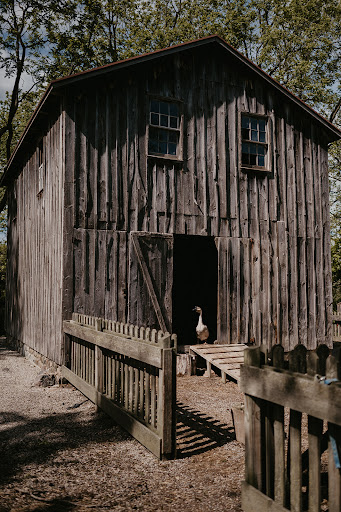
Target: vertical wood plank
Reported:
point(153, 400)
point(295, 461)
point(167, 395)
point(315, 427)
point(334, 475)
point(253, 429)
point(147, 396)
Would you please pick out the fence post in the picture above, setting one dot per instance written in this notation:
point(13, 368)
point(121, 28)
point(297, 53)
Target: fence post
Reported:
point(167, 403)
point(334, 476)
point(315, 427)
point(253, 428)
point(297, 364)
point(98, 366)
point(278, 447)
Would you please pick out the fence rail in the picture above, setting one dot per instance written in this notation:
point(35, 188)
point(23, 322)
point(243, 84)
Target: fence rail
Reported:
point(129, 372)
point(280, 474)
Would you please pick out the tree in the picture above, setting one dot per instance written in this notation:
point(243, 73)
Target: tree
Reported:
point(22, 42)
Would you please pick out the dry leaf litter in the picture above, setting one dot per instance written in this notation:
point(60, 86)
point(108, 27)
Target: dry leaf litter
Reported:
point(58, 454)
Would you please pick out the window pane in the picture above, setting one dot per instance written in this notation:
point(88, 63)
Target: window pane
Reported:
point(154, 118)
point(245, 122)
point(172, 137)
point(261, 136)
point(173, 122)
point(155, 106)
point(261, 161)
point(163, 135)
point(163, 147)
point(245, 158)
point(262, 125)
point(245, 148)
point(153, 146)
point(153, 133)
point(171, 149)
point(164, 128)
point(245, 133)
point(254, 135)
point(253, 149)
point(164, 108)
point(173, 109)
point(163, 120)
point(254, 123)
point(261, 150)
point(253, 159)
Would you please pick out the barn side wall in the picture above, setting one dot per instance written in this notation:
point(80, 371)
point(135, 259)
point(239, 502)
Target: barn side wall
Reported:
point(34, 265)
point(272, 231)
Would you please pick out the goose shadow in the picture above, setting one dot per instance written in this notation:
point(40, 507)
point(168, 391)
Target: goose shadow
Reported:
point(198, 432)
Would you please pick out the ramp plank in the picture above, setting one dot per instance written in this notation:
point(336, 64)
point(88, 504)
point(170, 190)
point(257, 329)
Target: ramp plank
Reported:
point(227, 358)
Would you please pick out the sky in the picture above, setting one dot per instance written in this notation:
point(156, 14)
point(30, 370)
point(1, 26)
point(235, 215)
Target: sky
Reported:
point(7, 83)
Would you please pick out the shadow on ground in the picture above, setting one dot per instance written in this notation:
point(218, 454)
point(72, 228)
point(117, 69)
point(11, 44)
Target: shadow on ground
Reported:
point(25, 441)
point(198, 433)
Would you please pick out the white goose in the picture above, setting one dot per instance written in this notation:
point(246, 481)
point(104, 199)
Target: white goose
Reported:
point(201, 328)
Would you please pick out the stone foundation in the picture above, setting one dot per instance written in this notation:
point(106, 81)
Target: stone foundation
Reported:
point(49, 367)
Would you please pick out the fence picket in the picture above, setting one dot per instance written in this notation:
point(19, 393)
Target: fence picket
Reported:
point(253, 446)
point(141, 393)
point(153, 400)
point(147, 397)
point(334, 475)
point(131, 388)
point(304, 394)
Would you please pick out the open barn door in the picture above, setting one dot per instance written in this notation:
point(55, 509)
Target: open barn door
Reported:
point(151, 280)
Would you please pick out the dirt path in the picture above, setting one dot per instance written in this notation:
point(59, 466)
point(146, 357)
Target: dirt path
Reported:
point(57, 454)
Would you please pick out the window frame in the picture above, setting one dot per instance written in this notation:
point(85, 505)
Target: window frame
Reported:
point(164, 156)
point(41, 165)
point(266, 169)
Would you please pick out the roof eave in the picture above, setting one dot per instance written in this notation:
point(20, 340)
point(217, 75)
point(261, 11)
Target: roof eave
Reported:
point(46, 95)
point(333, 131)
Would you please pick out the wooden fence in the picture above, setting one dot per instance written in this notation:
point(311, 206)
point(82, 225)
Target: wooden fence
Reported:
point(288, 450)
point(129, 372)
point(337, 324)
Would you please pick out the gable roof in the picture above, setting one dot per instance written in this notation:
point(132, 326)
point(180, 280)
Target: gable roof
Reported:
point(98, 72)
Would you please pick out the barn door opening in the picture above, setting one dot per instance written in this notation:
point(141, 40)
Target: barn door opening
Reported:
point(195, 282)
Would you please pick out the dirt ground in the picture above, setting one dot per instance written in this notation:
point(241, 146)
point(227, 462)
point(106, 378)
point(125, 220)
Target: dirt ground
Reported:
point(57, 454)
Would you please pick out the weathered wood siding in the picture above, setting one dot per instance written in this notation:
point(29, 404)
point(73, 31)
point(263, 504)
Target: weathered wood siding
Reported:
point(272, 231)
point(70, 248)
point(34, 267)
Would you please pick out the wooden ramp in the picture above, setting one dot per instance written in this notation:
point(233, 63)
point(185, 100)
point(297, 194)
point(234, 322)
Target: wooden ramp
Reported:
point(227, 358)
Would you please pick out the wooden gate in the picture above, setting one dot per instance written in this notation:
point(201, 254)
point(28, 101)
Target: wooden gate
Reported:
point(292, 430)
point(151, 280)
point(129, 372)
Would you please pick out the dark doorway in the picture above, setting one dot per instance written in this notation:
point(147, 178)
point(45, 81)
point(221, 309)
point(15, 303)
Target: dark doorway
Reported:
point(195, 283)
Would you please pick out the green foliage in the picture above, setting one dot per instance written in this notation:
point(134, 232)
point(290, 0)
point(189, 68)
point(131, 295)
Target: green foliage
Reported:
point(336, 270)
point(295, 41)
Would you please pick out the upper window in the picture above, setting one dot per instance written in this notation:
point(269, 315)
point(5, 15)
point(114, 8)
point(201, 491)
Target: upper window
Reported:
point(164, 128)
point(254, 141)
point(41, 166)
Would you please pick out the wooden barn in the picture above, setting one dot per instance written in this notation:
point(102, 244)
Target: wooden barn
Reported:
point(178, 178)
